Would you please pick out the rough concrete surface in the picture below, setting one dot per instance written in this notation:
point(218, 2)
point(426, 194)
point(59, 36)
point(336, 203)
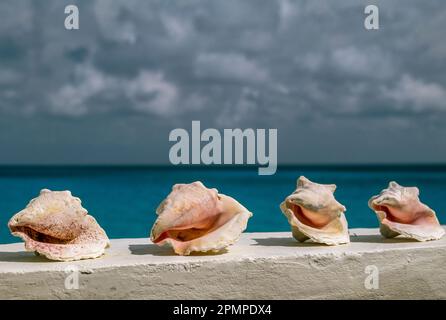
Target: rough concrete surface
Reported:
point(259, 266)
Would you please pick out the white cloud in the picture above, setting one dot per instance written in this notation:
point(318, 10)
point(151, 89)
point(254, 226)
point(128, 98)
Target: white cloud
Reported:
point(112, 24)
point(194, 101)
point(178, 29)
point(13, 14)
point(9, 76)
point(229, 66)
point(372, 63)
point(288, 11)
point(311, 61)
point(417, 94)
point(148, 92)
point(71, 99)
point(151, 93)
point(244, 107)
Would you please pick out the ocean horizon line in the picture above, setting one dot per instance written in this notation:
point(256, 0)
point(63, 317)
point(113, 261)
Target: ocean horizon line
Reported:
point(287, 166)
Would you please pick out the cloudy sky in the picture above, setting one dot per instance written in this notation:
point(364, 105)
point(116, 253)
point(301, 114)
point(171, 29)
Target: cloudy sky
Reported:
point(112, 91)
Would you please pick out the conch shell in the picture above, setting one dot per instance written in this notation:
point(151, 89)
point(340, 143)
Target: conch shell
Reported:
point(400, 212)
point(194, 218)
point(314, 213)
point(56, 226)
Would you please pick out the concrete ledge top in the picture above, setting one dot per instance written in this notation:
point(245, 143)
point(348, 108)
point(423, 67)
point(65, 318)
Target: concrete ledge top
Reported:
point(251, 246)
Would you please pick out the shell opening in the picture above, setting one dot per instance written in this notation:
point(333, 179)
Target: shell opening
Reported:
point(196, 230)
point(307, 217)
point(38, 236)
point(393, 214)
point(182, 235)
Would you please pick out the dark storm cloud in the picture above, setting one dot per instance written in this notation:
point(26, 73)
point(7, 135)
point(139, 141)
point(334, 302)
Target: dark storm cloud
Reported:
point(137, 69)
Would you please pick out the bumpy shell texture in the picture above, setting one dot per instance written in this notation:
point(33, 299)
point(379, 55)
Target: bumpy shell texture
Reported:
point(400, 212)
point(56, 226)
point(194, 218)
point(314, 213)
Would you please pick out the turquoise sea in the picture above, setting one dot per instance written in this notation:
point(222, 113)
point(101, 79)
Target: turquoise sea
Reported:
point(123, 198)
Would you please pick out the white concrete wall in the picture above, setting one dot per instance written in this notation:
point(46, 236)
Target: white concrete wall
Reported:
point(259, 266)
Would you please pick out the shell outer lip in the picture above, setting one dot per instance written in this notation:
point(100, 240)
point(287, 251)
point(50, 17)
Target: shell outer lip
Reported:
point(302, 232)
point(44, 250)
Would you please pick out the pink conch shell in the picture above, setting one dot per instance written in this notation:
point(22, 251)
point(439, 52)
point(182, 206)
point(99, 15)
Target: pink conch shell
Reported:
point(56, 226)
point(400, 212)
point(314, 213)
point(194, 218)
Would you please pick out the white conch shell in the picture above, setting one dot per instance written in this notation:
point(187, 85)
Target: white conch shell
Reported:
point(194, 218)
point(400, 212)
point(56, 226)
point(314, 213)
